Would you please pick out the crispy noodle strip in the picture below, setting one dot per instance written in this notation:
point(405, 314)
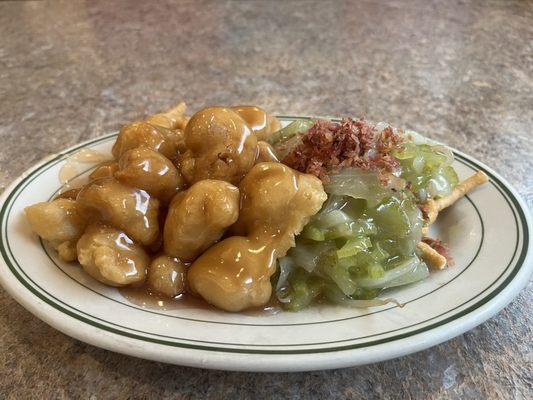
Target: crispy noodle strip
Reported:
point(431, 256)
point(173, 118)
point(435, 206)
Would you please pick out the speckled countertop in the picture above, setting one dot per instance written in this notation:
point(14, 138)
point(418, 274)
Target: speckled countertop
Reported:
point(458, 71)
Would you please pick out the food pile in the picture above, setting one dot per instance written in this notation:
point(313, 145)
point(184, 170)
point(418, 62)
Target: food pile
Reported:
point(228, 207)
point(385, 187)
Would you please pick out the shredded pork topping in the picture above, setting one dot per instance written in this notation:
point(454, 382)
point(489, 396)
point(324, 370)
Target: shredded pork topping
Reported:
point(328, 146)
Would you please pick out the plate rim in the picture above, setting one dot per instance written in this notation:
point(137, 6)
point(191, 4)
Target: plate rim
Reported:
point(285, 361)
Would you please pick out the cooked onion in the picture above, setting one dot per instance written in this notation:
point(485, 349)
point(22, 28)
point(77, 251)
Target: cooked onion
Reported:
point(411, 270)
point(359, 184)
point(286, 265)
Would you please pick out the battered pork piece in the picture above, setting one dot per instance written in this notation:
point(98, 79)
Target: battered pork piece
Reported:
point(140, 133)
point(198, 217)
point(220, 146)
point(276, 203)
point(261, 124)
point(105, 170)
point(166, 275)
point(275, 197)
point(172, 119)
point(111, 257)
point(234, 274)
point(130, 209)
point(149, 170)
point(59, 223)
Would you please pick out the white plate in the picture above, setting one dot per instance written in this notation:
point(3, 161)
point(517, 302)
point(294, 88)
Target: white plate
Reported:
point(488, 232)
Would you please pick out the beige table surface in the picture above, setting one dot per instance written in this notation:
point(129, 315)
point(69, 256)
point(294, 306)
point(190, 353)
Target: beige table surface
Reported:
point(457, 71)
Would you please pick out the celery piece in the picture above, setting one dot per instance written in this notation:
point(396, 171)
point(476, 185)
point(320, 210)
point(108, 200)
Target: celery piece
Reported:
point(375, 271)
point(333, 294)
point(313, 233)
point(355, 208)
point(307, 254)
point(358, 184)
point(354, 246)
point(407, 152)
point(406, 270)
point(347, 262)
point(429, 170)
point(304, 288)
point(341, 277)
point(294, 128)
point(332, 218)
point(350, 229)
point(360, 262)
point(450, 175)
point(339, 231)
point(365, 294)
point(364, 227)
point(433, 157)
point(391, 217)
point(378, 253)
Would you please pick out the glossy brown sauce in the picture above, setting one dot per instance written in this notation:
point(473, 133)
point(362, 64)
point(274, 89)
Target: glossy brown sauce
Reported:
point(273, 307)
point(66, 193)
point(265, 153)
point(256, 118)
point(147, 298)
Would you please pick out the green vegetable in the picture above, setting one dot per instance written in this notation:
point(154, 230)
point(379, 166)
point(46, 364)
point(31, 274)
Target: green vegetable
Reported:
point(313, 233)
point(358, 184)
point(354, 246)
point(304, 288)
point(364, 239)
point(351, 251)
point(428, 169)
point(295, 128)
